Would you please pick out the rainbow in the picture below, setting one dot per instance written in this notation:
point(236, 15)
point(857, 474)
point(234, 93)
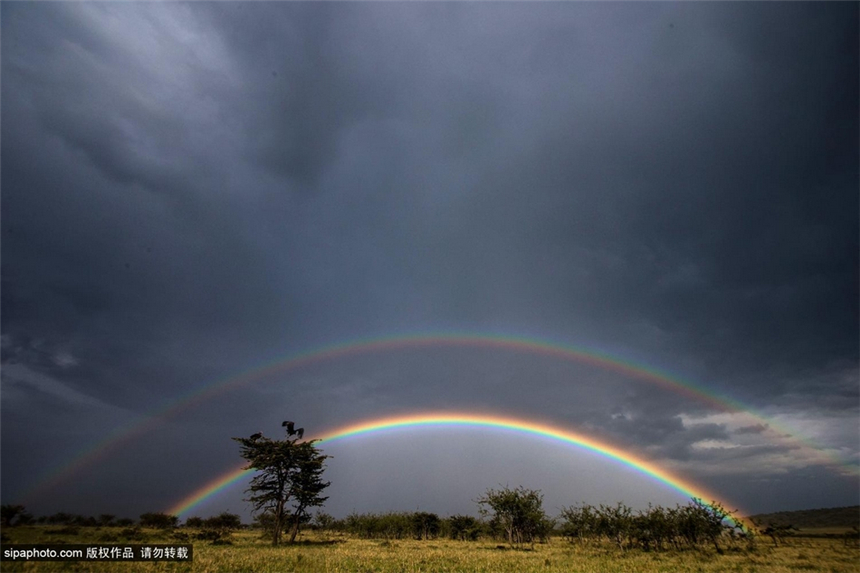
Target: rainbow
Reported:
point(526, 427)
point(122, 435)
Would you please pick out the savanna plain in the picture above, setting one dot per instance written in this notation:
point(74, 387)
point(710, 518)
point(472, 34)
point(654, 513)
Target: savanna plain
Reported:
point(330, 551)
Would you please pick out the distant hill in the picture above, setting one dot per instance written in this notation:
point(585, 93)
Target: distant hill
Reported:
point(811, 518)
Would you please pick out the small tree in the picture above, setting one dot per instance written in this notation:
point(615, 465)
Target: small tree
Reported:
point(265, 520)
point(196, 522)
point(159, 520)
point(712, 518)
point(519, 511)
point(464, 527)
point(579, 523)
point(218, 529)
point(616, 523)
point(106, 519)
point(289, 483)
point(323, 521)
point(225, 520)
point(425, 525)
point(16, 513)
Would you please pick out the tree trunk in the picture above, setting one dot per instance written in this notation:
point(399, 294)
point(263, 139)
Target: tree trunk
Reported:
point(294, 530)
point(279, 523)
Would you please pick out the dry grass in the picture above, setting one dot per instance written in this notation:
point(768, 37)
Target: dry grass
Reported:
point(333, 553)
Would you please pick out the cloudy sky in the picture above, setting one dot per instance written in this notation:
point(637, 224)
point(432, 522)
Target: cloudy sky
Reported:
point(192, 191)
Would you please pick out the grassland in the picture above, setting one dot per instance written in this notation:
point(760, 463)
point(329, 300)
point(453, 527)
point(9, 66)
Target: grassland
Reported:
point(336, 553)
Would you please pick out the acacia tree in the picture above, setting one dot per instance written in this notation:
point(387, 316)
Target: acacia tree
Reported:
point(289, 480)
point(307, 484)
point(519, 511)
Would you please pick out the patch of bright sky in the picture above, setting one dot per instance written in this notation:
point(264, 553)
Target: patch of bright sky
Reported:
point(794, 451)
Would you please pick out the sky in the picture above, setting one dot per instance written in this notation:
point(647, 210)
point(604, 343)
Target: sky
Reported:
point(194, 191)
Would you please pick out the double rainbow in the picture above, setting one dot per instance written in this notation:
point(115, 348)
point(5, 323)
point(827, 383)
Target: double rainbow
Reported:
point(141, 426)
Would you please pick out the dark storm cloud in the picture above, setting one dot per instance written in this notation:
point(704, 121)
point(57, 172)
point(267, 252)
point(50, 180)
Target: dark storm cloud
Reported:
point(303, 94)
point(193, 190)
point(112, 246)
point(756, 429)
point(668, 437)
point(772, 226)
point(754, 491)
point(725, 249)
point(726, 243)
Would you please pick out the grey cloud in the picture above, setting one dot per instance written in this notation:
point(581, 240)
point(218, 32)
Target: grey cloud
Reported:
point(193, 190)
point(754, 429)
point(663, 436)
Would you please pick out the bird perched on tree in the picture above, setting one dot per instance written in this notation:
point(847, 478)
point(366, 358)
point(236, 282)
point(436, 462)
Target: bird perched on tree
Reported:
point(289, 425)
point(257, 436)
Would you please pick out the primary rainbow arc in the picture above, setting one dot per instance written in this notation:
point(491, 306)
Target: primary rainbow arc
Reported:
point(528, 427)
point(360, 346)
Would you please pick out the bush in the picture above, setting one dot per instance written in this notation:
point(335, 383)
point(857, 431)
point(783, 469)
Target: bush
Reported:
point(11, 515)
point(196, 522)
point(464, 527)
point(519, 512)
point(323, 521)
point(655, 529)
point(219, 529)
point(229, 521)
point(380, 526)
point(425, 525)
point(159, 520)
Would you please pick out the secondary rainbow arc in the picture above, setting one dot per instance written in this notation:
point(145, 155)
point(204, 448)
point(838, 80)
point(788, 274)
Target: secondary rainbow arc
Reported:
point(141, 426)
point(528, 427)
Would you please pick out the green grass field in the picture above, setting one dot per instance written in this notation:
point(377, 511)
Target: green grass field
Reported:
point(324, 552)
